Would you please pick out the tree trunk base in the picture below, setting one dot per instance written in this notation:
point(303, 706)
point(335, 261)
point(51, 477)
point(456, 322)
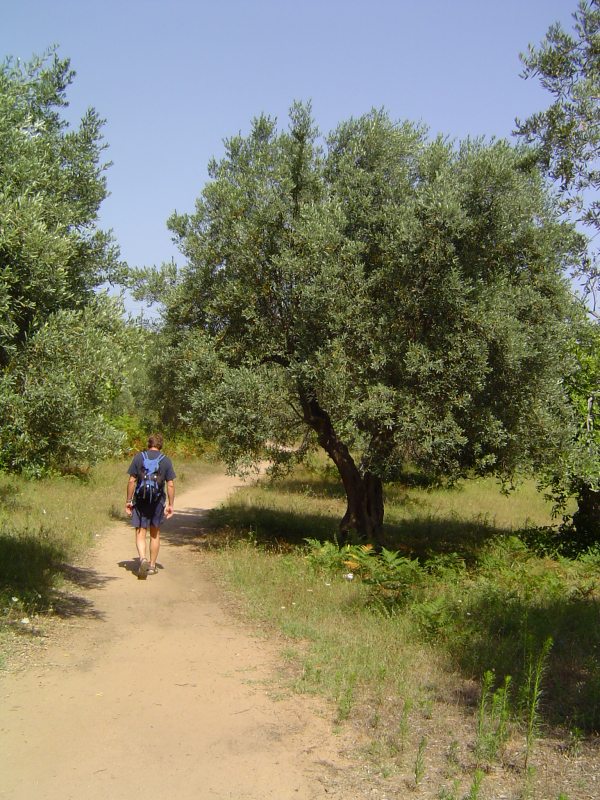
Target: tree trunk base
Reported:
point(364, 513)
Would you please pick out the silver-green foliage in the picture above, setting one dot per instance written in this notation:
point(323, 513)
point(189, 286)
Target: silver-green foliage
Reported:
point(567, 134)
point(60, 344)
point(54, 390)
point(398, 296)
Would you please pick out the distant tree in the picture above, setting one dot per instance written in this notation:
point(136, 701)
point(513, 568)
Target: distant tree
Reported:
point(566, 145)
point(392, 300)
point(566, 136)
point(52, 259)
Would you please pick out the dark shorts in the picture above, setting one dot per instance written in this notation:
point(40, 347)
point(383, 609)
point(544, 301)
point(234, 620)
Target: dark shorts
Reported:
point(143, 516)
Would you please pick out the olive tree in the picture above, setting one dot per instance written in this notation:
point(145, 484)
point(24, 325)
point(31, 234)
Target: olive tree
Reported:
point(53, 258)
point(390, 299)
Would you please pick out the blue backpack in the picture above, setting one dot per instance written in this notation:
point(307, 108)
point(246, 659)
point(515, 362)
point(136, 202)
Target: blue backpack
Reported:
point(149, 486)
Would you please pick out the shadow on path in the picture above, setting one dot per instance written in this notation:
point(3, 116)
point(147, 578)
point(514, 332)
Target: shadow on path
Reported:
point(84, 577)
point(132, 565)
point(187, 527)
point(68, 605)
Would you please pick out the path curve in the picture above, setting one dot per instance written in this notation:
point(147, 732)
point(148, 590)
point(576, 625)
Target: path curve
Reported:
point(154, 691)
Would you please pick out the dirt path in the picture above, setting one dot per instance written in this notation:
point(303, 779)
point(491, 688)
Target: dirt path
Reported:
point(154, 691)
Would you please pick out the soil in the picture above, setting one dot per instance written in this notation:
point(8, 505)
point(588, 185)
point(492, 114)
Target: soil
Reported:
point(151, 688)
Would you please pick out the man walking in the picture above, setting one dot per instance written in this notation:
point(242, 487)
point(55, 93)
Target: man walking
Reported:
point(149, 473)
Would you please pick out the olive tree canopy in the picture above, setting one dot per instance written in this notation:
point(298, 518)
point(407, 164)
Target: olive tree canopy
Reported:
point(60, 343)
point(390, 299)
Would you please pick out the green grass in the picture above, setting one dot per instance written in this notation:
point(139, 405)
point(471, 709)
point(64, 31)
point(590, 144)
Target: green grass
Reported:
point(464, 596)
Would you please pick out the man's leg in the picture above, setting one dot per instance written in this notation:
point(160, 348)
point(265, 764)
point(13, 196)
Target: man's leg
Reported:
point(154, 544)
point(140, 542)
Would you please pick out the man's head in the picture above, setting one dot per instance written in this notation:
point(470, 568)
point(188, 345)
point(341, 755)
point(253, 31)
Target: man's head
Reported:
point(156, 440)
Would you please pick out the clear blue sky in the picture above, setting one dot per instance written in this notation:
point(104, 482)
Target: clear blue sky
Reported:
point(174, 77)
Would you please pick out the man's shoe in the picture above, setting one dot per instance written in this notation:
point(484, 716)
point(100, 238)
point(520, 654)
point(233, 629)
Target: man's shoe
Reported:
point(144, 564)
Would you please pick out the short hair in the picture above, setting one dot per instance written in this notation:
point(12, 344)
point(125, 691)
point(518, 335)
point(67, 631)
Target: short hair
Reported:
point(156, 440)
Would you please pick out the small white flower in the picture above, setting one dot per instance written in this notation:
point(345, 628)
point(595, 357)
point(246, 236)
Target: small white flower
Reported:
point(282, 607)
point(25, 620)
point(327, 584)
point(43, 510)
point(349, 576)
point(15, 599)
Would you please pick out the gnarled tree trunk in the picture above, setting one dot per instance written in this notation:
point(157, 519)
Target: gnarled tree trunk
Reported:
point(364, 493)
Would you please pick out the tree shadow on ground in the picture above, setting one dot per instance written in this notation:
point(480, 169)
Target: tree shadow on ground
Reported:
point(67, 604)
point(311, 486)
point(30, 566)
point(418, 537)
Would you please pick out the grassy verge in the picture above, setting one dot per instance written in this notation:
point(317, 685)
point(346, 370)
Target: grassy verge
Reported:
point(45, 524)
point(463, 656)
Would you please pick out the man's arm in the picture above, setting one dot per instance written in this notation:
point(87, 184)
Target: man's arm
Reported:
point(171, 496)
point(130, 489)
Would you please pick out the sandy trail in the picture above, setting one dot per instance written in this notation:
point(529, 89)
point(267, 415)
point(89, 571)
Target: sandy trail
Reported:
point(154, 691)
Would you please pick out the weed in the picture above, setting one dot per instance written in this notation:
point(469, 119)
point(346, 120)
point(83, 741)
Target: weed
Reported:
point(527, 790)
point(452, 755)
point(419, 770)
point(427, 707)
point(381, 684)
point(347, 697)
point(575, 739)
point(536, 667)
point(499, 718)
point(450, 794)
point(404, 720)
point(474, 790)
point(482, 714)
point(492, 718)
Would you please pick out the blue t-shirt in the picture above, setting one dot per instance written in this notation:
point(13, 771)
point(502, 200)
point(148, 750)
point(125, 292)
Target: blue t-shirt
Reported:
point(165, 469)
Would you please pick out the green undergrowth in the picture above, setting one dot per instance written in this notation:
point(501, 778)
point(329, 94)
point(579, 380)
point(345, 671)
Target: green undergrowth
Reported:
point(47, 523)
point(457, 587)
point(187, 444)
